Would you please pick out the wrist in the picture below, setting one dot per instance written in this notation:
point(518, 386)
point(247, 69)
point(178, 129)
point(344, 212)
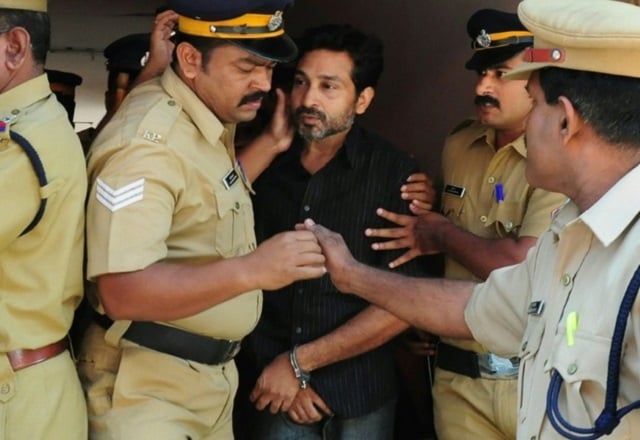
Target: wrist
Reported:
point(303, 376)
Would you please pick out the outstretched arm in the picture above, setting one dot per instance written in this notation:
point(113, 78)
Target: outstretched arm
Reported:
point(434, 305)
point(432, 233)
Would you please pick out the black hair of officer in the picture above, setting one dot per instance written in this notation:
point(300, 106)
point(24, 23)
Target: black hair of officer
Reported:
point(63, 85)
point(495, 36)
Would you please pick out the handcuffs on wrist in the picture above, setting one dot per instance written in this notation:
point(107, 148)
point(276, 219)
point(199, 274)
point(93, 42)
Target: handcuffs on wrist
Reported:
point(303, 376)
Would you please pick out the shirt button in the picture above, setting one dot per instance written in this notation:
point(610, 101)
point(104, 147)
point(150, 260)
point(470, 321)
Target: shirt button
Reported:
point(300, 290)
point(572, 369)
point(298, 330)
point(483, 218)
point(15, 111)
point(5, 388)
point(533, 437)
point(307, 208)
point(171, 102)
point(508, 226)
point(491, 179)
point(237, 205)
point(524, 346)
point(566, 279)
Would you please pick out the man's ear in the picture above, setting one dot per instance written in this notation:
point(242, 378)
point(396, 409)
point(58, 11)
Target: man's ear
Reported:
point(189, 59)
point(569, 121)
point(364, 99)
point(18, 47)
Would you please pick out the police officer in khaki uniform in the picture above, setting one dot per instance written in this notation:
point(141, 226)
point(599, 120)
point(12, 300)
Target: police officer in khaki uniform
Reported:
point(492, 216)
point(43, 181)
point(170, 232)
point(569, 311)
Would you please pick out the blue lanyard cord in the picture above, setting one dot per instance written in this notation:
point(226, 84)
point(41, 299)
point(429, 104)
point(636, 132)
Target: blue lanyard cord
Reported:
point(610, 415)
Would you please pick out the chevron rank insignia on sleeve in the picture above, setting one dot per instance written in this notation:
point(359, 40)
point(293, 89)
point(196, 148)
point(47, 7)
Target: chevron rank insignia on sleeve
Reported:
point(117, 198)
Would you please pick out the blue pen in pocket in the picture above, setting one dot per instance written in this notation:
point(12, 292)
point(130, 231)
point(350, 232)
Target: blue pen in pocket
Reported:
point(499, 190)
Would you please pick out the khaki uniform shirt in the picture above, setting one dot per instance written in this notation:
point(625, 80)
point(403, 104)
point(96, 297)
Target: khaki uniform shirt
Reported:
point(41, 271)
point(580, 268)
point(166, 187)
point(472, 166)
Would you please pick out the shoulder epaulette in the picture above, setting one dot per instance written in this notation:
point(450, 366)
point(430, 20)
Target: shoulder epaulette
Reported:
point(159, 120)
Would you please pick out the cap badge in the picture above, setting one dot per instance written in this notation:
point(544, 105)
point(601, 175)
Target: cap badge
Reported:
point(484, 39)
point(275, 22)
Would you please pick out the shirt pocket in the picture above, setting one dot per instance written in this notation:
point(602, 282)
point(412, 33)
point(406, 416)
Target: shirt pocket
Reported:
point(452, 206)
point(506, 217)
point(231, 227)
point(583, 368)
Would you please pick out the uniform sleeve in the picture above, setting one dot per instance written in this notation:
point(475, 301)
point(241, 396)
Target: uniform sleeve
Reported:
point(497, 311)
point(130, 209)
point(537, 217)
point(20, 194)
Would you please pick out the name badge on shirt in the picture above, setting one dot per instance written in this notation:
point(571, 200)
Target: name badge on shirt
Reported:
point(536, 308)
point(454, 190)
point(230, 179)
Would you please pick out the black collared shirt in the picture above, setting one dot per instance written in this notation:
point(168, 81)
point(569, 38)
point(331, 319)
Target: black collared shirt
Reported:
point(366, 173)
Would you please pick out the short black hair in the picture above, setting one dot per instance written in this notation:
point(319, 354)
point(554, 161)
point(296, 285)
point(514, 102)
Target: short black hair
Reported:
point(366, 50)
point(609, 103)
point(37, 25)
point(203, 45)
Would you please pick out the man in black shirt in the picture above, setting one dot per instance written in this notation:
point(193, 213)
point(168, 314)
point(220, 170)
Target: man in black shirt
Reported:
point(325, 358)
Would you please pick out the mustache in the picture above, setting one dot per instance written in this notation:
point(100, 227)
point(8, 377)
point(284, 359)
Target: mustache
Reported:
point(257, 96)
point(310, 112)
point(485, 99)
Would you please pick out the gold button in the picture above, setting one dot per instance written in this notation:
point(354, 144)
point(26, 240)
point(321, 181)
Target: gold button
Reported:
point(483, 219)
point(566, 279)
point(572, 369)
point(491, 179)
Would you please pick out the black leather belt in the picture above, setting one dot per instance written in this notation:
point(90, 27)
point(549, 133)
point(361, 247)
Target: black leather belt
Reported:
point(457, 360)
point(176, 342)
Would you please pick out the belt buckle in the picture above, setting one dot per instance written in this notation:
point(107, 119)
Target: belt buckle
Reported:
point(496, 366)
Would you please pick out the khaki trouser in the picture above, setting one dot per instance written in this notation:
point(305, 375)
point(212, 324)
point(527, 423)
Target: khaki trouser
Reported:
point(137, 393)
point(466, 408)
point(43, 401)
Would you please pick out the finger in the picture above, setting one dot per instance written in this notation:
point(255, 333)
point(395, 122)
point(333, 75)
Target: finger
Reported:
point(384, 232)
point(418, 177)
point(399, 219)
point(319, 404)
point(404, 258)
point(274, 408)
point(418, 207)
point(400, 243)
point(293, 415)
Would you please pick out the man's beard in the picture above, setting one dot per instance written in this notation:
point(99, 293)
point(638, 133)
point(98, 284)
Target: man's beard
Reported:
point(327, 127)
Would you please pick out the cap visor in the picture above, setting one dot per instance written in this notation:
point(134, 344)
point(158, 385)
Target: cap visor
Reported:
point(281, 49)
point(524, 70)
